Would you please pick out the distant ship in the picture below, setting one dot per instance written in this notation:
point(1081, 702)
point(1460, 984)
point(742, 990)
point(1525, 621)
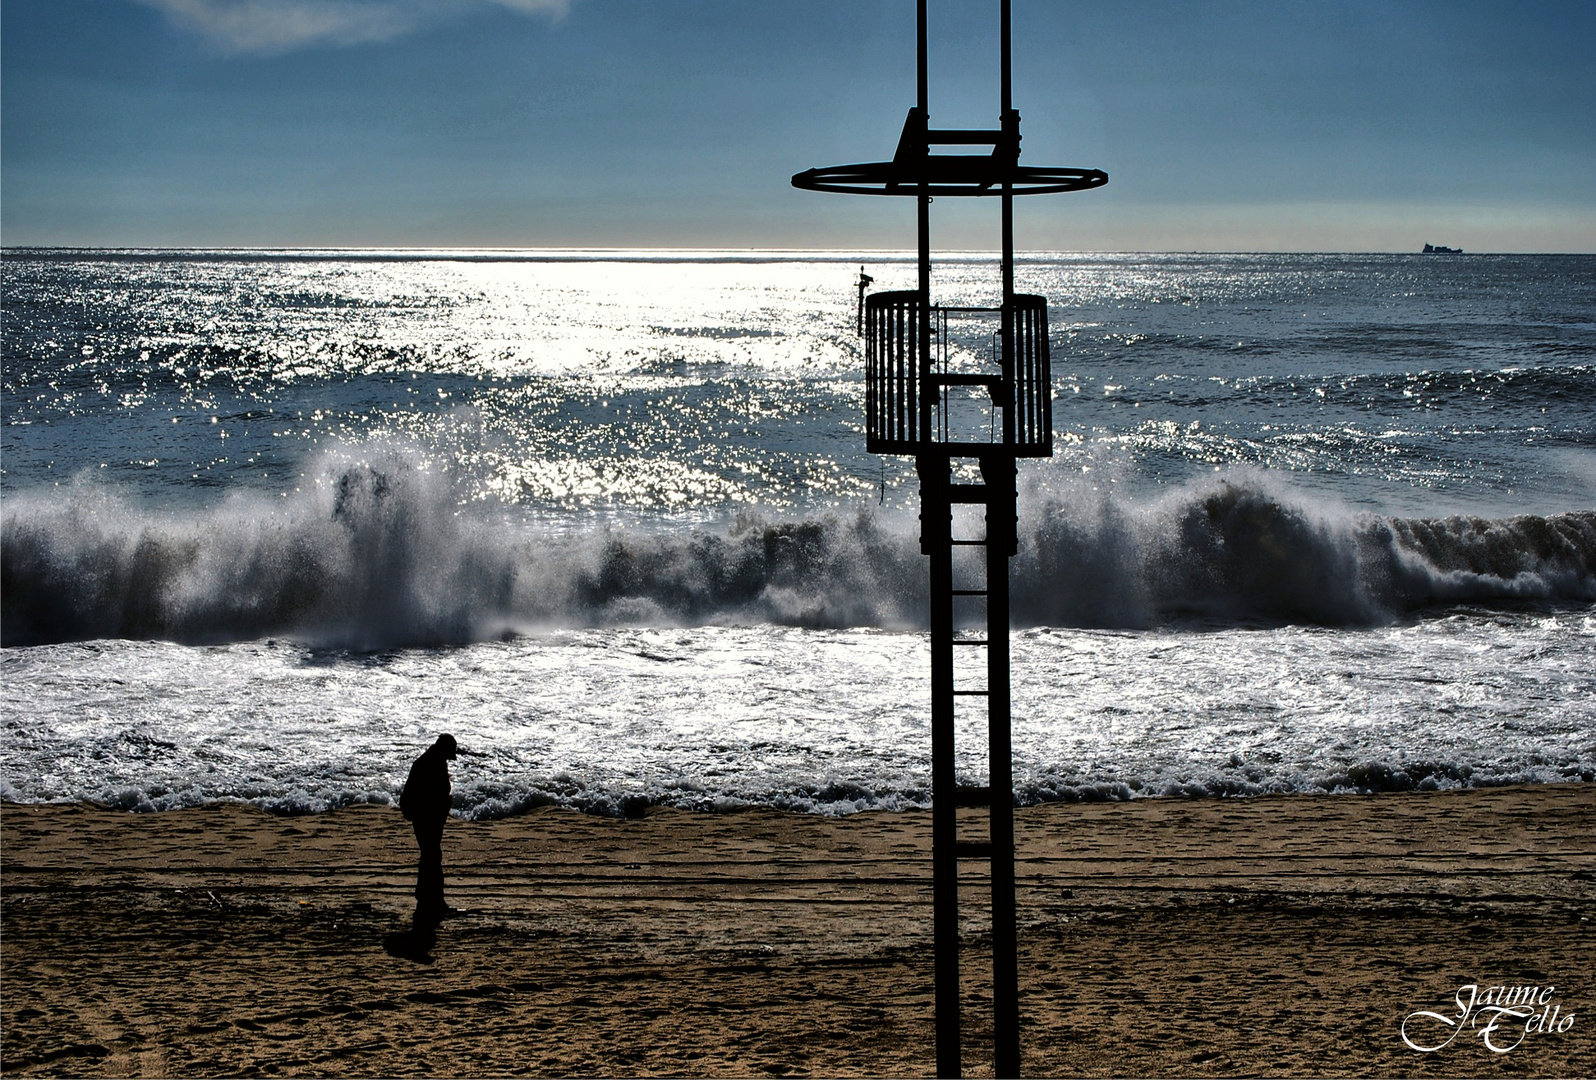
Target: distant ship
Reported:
point(1441, 249)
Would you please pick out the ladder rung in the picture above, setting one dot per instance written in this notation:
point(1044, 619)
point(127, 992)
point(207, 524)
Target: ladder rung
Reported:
point(967, 641)
point(971, 693)
point(969, 592)
point(973, 849)
point(968, 543)
point(973, 796)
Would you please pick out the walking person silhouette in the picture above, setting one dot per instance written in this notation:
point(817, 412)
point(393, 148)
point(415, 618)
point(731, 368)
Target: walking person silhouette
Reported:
point(425, 803)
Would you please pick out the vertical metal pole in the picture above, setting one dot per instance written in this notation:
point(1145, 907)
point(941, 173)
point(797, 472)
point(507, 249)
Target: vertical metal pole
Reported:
point(1010, 122)
point(936, 538)
point(1006, 67)
point(1001, 509)
point(998, 474)
point(923, 314)
point(928, 395)
point(920, 62)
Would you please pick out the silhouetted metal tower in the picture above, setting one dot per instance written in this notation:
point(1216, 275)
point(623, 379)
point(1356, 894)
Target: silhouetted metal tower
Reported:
point(925, 381)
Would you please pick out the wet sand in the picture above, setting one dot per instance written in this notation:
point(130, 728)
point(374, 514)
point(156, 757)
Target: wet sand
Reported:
point(1282, 935)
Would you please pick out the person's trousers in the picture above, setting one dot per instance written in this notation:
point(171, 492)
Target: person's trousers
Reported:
point(429, 871)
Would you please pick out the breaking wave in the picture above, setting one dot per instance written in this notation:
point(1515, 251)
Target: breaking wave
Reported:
point(1241, 548)
point(376, 552)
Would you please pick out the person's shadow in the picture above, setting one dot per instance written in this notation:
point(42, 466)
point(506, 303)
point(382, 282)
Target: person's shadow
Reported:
point(414, 944)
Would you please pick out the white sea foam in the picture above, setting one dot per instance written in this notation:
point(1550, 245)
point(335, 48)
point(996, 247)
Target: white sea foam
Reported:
point(824, 721)
point(375, 550)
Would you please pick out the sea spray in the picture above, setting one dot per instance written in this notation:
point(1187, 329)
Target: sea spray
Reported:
point(376, 551)
point(1243, 547)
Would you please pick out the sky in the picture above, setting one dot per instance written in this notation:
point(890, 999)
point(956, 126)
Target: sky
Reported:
point(1234, 125)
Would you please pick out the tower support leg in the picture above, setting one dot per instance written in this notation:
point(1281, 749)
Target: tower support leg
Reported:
point(998, 474)
point(936, 538)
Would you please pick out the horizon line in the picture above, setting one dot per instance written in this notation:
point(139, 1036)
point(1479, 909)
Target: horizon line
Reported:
point(446, 252)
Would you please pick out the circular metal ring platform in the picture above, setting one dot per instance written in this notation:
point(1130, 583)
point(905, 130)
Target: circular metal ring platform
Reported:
point(947, 175)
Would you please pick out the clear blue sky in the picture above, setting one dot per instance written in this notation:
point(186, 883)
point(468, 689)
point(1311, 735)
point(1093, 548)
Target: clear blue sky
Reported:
point(1332, 125)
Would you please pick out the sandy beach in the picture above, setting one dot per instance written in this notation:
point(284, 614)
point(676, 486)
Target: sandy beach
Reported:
point(1287, 935)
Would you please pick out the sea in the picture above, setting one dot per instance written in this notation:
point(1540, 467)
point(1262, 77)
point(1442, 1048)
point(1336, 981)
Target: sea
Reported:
point(272, 520)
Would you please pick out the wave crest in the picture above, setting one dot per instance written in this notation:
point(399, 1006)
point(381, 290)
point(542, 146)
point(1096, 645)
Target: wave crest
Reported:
point(376, 552)
point(1240, 549)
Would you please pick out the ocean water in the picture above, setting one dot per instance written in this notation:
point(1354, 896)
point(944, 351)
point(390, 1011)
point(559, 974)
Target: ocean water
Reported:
point(271, 520)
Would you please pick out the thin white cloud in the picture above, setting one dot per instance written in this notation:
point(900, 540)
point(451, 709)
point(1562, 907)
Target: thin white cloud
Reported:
point(555, 8)
point(266, 27)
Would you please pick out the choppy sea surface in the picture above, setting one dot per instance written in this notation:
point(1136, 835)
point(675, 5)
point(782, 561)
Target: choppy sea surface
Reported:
point(271, 520)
